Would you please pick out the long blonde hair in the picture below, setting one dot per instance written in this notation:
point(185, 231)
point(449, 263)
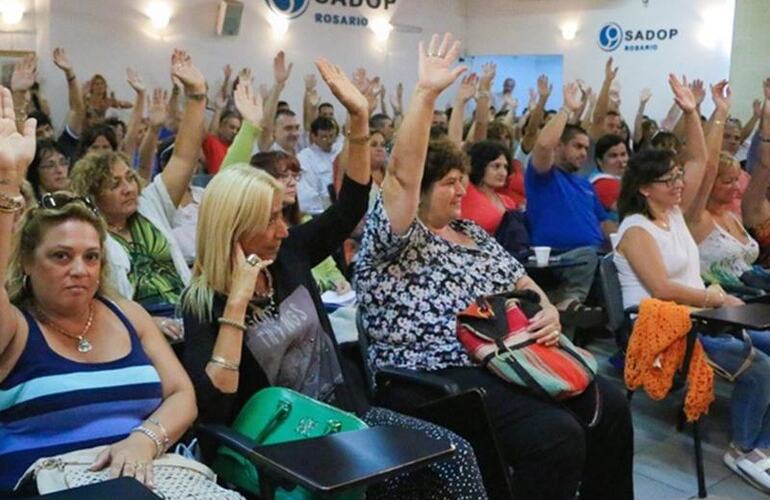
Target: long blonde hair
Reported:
point(33, 228)
point(237, 201)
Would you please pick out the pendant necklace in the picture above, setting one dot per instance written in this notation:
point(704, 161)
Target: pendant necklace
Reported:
point(83, 344)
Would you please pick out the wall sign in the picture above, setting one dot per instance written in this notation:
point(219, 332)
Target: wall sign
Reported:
point(611, 37)
point(292, 9)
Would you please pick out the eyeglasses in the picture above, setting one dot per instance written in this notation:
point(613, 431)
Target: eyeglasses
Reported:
point(62, 162)
point(61, 200)
point(672, 179)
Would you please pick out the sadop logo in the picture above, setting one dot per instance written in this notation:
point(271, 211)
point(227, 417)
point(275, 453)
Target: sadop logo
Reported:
point(610, 37)
point(288, 8)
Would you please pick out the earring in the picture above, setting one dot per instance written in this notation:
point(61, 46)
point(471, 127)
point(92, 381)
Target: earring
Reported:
point(24, 281)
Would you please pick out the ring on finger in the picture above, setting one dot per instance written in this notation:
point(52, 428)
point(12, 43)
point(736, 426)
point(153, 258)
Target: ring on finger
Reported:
point(252, 260)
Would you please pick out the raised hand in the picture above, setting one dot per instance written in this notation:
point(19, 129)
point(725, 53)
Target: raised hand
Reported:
point(281, 72)
point(247, 103)
point(610, 73)
point(721, 94)
point(61, 60)
point(190, 76)
point(488, 72)
point(24, 73)
point(572, 96)
point(263, 92)
point(244, 74)
point(435, 64)
point(396, 102)
point(511, 102)
point(133, 79)
point(766, 91)
point(157, 108)
point(343, 88)
point(360, 80)
point(543, 87)
point(756, 107)
point(682, 94)
point(532, 99)
point(698, 90)
point(644, 97)
point(310, 82)
point(244, 274)
point(467, 88)
point(16, 150)
point(228, 72)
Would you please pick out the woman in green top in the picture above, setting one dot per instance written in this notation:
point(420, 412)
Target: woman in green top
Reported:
point(145, 260)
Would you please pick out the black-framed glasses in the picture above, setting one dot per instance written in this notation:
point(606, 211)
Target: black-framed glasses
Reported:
point(61, 162)
point(672, 179)
point(61, 200)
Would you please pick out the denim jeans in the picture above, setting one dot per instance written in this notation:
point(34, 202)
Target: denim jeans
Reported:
point(750, 403)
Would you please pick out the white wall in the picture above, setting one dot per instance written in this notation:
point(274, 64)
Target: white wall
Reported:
point(700, 50)
point(107, 36)
point(751, 54)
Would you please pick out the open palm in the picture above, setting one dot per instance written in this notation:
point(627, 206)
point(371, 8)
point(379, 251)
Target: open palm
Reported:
point(183, 68)
point(16, 150)
point(682, 94)
point(247, 103)
point(342, 88)
point(435, 65)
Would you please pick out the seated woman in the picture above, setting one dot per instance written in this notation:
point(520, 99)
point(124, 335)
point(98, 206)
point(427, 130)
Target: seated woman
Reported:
point(656, 256)
point(611, 156)
point(755, 205)
point(419, 265)
point(146, 262)
point(252, 279)
point(49, 171)
point(78, 369)
point(97, 139)
point(490, 169)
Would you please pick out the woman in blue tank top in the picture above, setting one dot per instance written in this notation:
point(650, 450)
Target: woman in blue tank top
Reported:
point(77, 369)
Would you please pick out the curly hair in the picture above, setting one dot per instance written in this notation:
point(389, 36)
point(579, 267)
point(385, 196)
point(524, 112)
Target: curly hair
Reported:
point(443, 157)
point(92, 174)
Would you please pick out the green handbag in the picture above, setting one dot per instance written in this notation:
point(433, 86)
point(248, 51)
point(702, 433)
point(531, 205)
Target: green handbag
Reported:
point(278, 415)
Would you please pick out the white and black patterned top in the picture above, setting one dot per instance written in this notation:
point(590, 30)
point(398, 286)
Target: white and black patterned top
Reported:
point(411, 286)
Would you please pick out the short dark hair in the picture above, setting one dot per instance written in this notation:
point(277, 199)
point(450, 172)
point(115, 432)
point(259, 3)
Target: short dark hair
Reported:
point(665, 140)
point(114, 121)
point(229, 114)
point(484, 152)
point(92, 133)
point(443, 157)
point(322, 123)
point(286, 112)
point(282, 104)
point(376, 121)
point(611, 112)
point(643, 168)
point(325, 105)
point(605, 143)
point(570, 132)
point(42, 149)
point(42, 118)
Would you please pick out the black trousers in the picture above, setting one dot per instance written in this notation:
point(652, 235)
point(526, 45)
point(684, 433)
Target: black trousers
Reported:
point(552, 453)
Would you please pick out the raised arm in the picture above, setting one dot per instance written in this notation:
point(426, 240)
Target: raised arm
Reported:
point(132, 129)
point(180, 168)
point(695, 164)
point(644, 97)
point(397, 105)
point(603, 101)
point(401, 186)
point(310, 102)
point(754, 206)
point(483, 98)
point(536, 114)
point(464, 94)
point(76, 118)
point(157, 117)
point(747, 129)
point(16, 153)
point(23, 77)
point(544, 152)
point(281, 74)
point(249, 105)
point(720, 94)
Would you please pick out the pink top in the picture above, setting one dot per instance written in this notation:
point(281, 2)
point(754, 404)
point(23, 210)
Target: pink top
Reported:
point(477, 207)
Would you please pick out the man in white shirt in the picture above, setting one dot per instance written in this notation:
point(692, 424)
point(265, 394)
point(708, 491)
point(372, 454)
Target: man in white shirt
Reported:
point(317, 164)
point(285, 132)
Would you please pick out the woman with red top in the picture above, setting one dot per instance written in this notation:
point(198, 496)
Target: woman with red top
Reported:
point(490, 168)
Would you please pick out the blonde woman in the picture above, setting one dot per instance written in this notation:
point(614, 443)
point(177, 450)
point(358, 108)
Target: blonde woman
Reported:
point(253, 314)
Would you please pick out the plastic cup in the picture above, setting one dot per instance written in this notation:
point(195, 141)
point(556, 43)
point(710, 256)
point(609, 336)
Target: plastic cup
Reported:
point(542, 254)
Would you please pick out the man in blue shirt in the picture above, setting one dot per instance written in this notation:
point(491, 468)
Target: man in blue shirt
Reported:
point(564, 211)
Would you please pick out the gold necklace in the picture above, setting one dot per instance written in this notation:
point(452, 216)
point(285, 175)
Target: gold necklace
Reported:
point(83, 344)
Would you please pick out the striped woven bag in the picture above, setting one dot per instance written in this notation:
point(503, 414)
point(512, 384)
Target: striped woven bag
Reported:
point(494, 331)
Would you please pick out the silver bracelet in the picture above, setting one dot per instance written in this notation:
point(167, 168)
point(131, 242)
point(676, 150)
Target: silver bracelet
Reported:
point(163, 431)
point(153, 436)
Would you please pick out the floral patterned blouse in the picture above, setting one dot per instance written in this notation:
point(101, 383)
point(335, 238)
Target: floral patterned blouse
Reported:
point(411, 286)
